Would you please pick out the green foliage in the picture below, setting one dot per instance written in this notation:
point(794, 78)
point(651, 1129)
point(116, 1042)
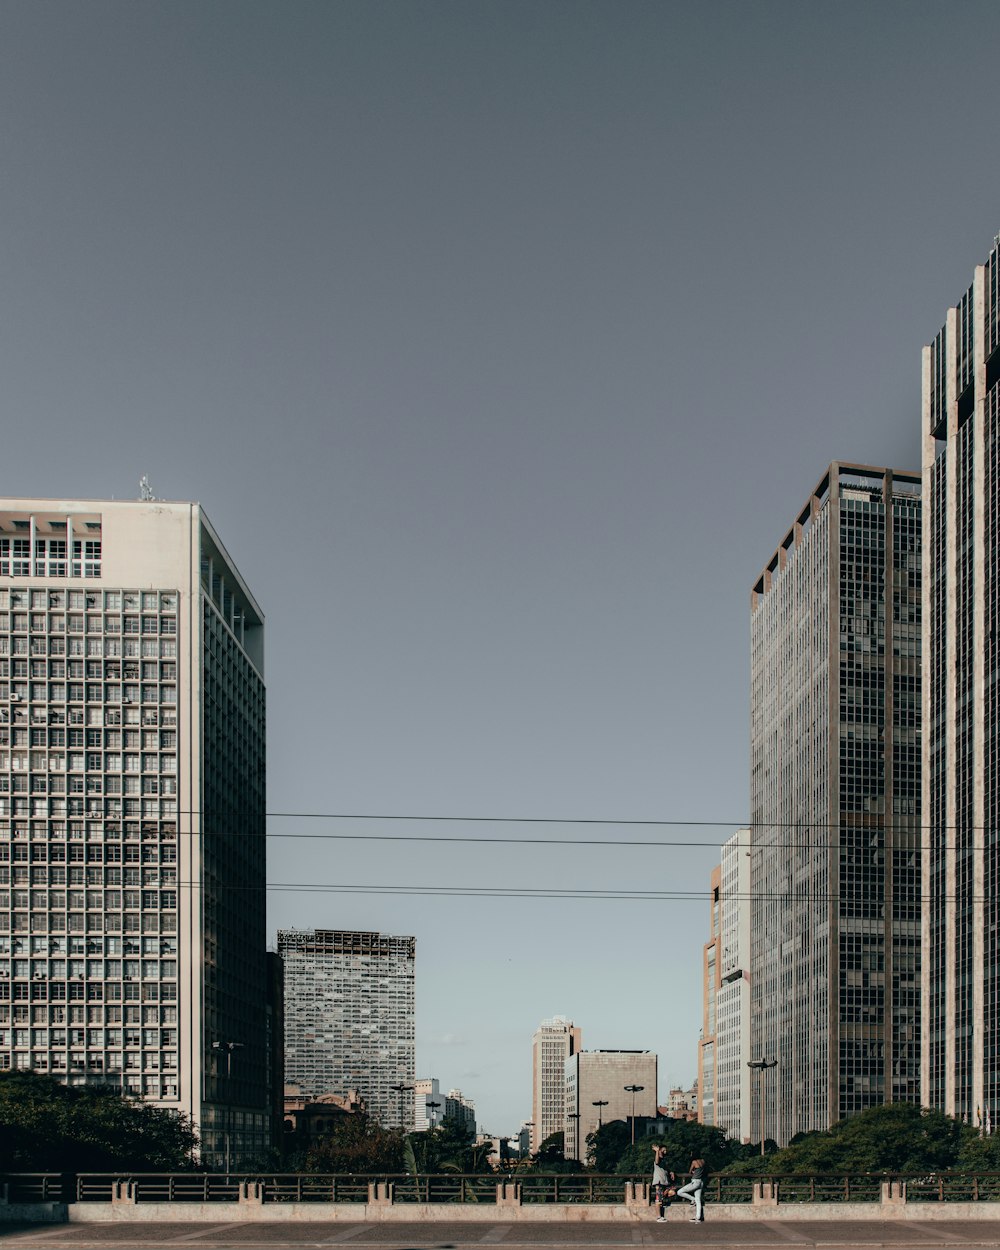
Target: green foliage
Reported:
point(683, 1141)
point(46, 1126)
point(606, 1145)
point(357, 1144)
point(897, 1137)
point(978, 1154)
point(451, 1147)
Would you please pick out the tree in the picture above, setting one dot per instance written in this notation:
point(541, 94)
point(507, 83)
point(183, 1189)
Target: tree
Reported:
point(450, 1147)
point(551, 1156)
point(896, 1137)
point(607, 1144)
point(683, 1140)
point(357, 1144)
point(46, 1126)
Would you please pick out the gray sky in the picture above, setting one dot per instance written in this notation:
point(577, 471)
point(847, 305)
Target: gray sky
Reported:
point(502, 342)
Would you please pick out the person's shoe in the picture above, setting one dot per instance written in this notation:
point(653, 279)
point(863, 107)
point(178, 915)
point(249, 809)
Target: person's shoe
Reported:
point(661, 1219)
point(694, 1220)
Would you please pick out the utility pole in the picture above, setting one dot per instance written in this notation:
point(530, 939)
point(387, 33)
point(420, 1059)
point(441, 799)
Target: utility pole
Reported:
point(227, 1049)
point(761, 1065)
point(633, 1090)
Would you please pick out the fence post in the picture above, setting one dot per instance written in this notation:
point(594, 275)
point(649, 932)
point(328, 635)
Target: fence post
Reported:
point(893, 1194)
point(765, 1194)
point(251, 1194)
point(123, 1194)
point(509, 1194)
point(380, 1193)
point(637, 1197)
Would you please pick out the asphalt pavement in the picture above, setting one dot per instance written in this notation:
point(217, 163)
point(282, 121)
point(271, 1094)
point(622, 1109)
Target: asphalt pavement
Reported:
point(439, 1235)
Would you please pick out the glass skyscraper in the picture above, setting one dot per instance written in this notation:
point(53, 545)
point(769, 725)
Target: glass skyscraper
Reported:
point(961, 881)
point(835, 806)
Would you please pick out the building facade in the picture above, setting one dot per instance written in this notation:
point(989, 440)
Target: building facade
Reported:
point(593, 1076)
point(732, 1029)
point(835, 803)
point(960, 1063)
point(710, 961)
point(132, 843)
point(553, 1042)
point(349, 1017)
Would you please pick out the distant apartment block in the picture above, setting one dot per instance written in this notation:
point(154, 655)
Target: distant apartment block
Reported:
point(835, 804)
point(132, 932)
point(732, 1028)
point(554, 1041)
point(428, 1104)
point(349, 1017)
point(602, 1076)
point(710, 990)
point(960, 1063)
point(460, 1108)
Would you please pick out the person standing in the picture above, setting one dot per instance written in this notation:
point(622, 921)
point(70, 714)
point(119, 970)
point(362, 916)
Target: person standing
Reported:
point(694, 1190)
point(663, 1184)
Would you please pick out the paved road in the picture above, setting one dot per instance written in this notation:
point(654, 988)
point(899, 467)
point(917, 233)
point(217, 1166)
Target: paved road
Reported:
point(759, 1235)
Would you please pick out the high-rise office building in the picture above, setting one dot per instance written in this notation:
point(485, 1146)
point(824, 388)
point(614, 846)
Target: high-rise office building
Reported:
point(835, 804)
point(604, 1077)
point(710, 991)
point(960, 1068)
point(551, 1045)
point(132, 932)
point(349, 1017)
point(732, 1004)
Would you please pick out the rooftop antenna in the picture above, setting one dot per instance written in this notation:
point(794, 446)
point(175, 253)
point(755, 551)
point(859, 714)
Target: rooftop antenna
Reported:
point(145, 490)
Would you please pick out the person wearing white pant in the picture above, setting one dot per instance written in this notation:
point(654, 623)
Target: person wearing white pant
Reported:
point(694, 1190)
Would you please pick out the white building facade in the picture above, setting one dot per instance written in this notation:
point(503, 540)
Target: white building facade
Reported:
point(132, 801)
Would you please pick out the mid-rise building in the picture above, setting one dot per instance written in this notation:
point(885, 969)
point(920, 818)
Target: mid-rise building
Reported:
point(835, 802)
point(605, 1085)
point(710, 990)
point(132, 930)
point(349, 1017)
point(460, 1108)
point(553, 1042)
point(428, 1104)
point(732, 1028)
point(960, 1067)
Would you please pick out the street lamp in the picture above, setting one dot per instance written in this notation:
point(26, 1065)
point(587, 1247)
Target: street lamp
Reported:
point(401, 1090)
point(432, 1107)
point(761, 1065)
point(575, 1117)
point(227, 1048)
point(633, 1090)
point(600, 1104)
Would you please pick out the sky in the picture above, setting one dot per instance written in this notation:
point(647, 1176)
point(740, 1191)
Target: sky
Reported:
point(502, 343)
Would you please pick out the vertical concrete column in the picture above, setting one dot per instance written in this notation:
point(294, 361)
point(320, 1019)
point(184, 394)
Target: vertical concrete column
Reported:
point(380, 1193)
point(765, 1194)
point(509, 1194)
point(636, 1197)
point(123, 1193)
point(251, 1194)
point(893, 1195)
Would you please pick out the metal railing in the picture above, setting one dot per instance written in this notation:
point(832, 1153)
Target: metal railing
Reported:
point(437, 1188)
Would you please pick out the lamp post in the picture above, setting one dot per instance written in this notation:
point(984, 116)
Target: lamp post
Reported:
point(761, 1065)
point(575, 1117)
point(600, 1104)
point(227, 1048)
point(633, 1090)
point(401, 1090)
point(431, 1119)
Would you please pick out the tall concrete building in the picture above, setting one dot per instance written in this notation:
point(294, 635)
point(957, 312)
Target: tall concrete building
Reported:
point(732, 1005)
point(132, 932)
point(349, 1017)
point(960, 1068)
point(710, 990)
point(835, 802)
point(553, 1042)
point(593, 1076)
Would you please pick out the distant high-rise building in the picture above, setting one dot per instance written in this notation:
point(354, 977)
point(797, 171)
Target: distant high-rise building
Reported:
point(593, 1076)
point(349, 1017)
point(552, 1044)
point(710, 991)
point(460, 1108)
point(732, 1006)
point(132, 804)
point(835, 805)
point(960, 1070)
point(428, 1104)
